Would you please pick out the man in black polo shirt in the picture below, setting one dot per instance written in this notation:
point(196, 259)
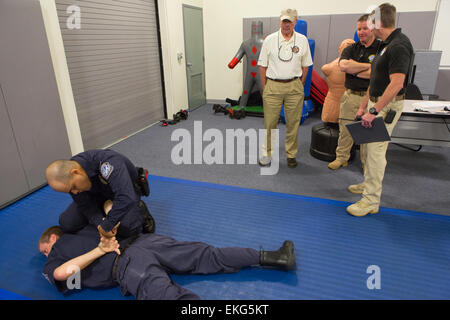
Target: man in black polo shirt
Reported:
point(356, 62)
point(385, 95)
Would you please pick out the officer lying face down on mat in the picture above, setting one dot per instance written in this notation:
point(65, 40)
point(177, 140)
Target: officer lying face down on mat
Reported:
point(384, 98)
point(142, 265)
point(92, 178)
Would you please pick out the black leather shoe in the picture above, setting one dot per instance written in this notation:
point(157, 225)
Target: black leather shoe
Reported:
point(283, 258)
point(291, 162)
point(149, 223)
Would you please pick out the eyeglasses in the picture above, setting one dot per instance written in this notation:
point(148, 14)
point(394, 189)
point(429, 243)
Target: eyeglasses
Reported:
point(286, 55)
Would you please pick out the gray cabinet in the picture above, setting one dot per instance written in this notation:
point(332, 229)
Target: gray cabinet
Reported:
point(32, 128)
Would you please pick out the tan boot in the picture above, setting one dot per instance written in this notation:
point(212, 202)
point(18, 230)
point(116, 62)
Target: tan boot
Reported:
point(264, 161)
point(362, 208)
point(356, 188)
point(336, 164)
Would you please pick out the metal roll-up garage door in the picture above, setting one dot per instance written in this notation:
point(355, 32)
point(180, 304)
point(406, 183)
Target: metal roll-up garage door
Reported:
point(113, 57)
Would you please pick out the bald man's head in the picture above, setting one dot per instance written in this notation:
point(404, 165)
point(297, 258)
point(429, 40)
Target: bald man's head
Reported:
point(59, 171)
point(67, 176)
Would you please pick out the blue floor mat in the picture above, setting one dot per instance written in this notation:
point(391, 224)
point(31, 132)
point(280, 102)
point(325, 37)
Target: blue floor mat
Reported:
point(333, 249)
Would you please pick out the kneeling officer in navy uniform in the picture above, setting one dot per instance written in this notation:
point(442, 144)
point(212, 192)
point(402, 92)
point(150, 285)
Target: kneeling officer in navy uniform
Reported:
point(92, 178)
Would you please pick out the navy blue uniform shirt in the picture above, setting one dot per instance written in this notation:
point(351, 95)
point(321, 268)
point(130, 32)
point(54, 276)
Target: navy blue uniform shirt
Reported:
point(112, 176)
point(97, 275)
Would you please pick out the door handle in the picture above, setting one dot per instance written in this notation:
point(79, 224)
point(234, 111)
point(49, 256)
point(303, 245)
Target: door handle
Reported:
point(189, 64)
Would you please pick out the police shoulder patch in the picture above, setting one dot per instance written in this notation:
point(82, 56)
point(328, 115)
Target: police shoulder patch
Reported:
point(106, 169)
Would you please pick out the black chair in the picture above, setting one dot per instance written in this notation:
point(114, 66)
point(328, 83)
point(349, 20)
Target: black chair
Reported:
point(412, 92)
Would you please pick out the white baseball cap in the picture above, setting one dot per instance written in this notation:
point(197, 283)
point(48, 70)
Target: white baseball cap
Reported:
point(289, 14)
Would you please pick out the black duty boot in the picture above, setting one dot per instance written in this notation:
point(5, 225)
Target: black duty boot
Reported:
point(149, 222)
point(283, 258)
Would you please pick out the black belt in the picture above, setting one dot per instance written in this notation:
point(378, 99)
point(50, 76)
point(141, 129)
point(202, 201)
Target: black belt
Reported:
point(397, 98)
point(122, 251)
point(359, 93)
point(282, 80)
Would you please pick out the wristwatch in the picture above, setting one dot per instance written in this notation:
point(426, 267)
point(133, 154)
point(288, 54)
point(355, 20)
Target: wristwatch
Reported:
point(373, 111)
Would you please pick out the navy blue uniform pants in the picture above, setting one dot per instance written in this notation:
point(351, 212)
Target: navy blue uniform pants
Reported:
point(73, 220)
point(143, 269)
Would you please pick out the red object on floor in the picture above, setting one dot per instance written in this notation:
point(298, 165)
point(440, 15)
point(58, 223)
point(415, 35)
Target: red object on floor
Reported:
point(319, 88)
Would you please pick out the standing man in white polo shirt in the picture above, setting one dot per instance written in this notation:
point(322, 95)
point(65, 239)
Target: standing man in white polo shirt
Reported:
point(284, 59)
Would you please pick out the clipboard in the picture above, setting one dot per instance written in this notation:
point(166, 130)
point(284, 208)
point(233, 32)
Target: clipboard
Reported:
point(362, 135)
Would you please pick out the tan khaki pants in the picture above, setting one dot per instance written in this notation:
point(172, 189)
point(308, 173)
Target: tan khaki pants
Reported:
point(375, 163)
point(349, 106)
point(291, 95)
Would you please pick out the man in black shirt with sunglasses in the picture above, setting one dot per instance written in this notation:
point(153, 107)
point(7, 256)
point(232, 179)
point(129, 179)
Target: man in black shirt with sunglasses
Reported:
point(385, 98)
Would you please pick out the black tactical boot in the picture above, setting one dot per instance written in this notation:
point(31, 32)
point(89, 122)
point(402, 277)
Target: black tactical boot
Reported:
point(283, 258)
point(149, 222)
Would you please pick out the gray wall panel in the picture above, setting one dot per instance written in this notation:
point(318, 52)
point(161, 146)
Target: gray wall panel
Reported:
point(114, 67)
point(418, 26)
point(30, 89)
point(30, 97)
point(14, 182)
point(318, 29)
point(342, 26)
point(274, 24)
point(426, 64)
point(443, 84)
